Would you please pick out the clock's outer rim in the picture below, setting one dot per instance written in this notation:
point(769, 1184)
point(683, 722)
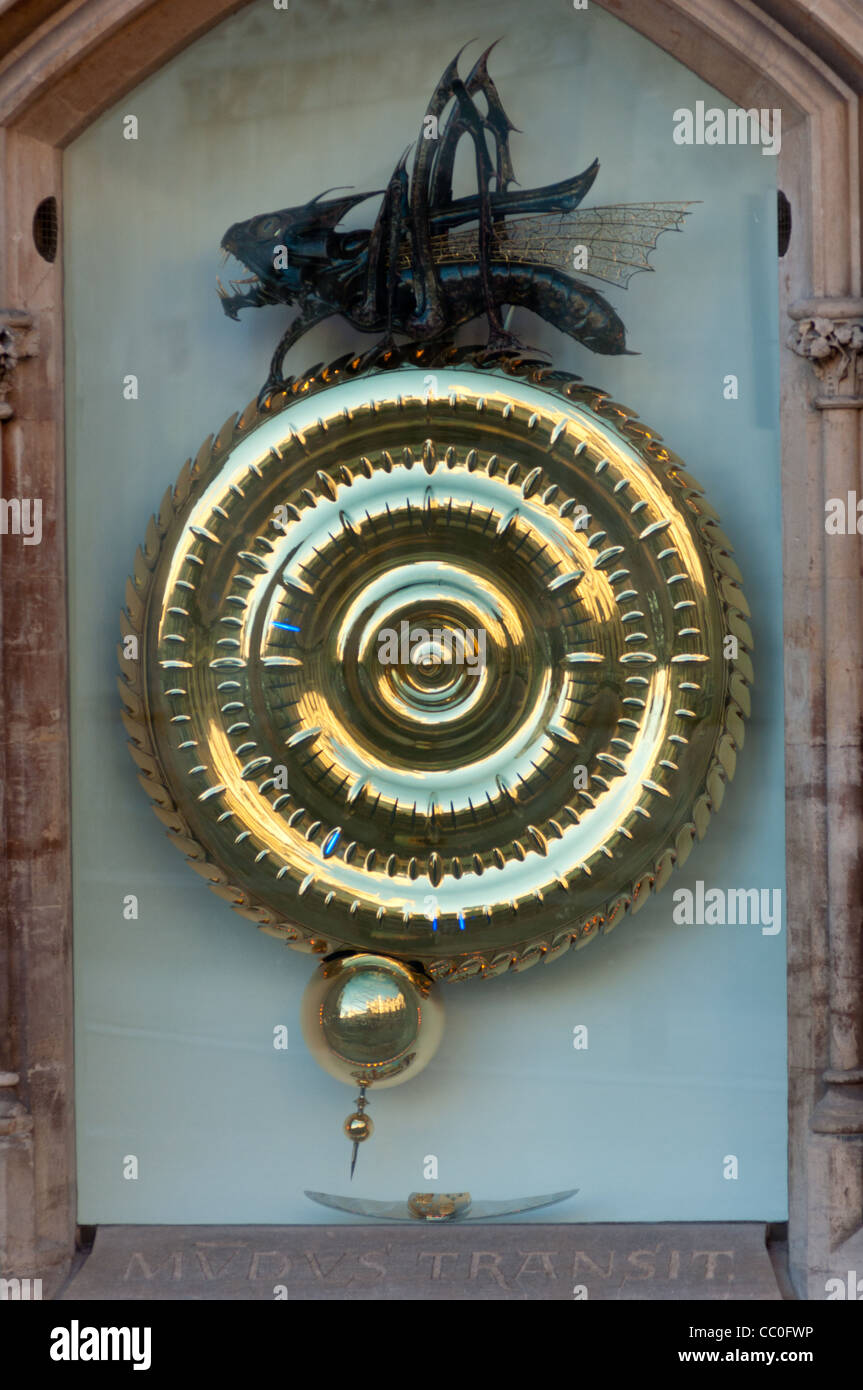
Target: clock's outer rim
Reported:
point(706, 797)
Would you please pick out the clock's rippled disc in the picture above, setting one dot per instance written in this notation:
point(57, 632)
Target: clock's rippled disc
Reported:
point(438, 662)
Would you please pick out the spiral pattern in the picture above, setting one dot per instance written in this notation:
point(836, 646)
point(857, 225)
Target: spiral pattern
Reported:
point(436, 664)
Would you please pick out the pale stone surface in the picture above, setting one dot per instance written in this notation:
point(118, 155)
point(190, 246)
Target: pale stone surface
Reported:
point(481, 1260)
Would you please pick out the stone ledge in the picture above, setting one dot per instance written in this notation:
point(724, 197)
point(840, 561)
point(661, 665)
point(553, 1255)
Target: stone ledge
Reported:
point(474, 1261)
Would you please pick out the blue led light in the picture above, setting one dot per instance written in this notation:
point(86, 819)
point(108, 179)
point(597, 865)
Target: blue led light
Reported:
point(331, 841)
point(461, 921)
point(434, 924)
point(289, 627)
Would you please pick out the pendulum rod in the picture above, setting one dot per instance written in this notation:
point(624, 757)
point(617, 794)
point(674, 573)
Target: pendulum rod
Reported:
point(358, 1127)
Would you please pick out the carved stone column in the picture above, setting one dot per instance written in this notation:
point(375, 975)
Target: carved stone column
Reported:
point(37, 1158)
point(829, 332)
point(17, 340)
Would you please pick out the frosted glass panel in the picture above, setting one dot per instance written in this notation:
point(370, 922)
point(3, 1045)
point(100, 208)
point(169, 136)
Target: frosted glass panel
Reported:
point(176, 1010)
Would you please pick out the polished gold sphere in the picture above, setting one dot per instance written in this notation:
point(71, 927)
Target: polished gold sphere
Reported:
point(372, 1020)
point(359, 1127)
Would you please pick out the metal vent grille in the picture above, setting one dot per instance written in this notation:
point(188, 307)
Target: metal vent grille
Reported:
point(45, 226)
point(784, 222)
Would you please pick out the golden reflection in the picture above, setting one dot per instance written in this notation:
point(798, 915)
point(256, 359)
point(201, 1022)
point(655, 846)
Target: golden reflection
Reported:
point(453, 703)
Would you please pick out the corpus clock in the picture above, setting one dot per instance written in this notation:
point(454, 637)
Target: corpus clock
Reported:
point(443, 656)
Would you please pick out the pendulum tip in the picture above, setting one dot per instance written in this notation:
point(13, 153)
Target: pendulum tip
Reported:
point(358, 1127)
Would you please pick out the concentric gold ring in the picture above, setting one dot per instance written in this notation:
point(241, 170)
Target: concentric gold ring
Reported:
point(436, 664)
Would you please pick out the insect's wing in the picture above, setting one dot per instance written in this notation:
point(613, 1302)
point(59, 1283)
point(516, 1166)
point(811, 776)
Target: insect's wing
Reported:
point(618, 240)
point(605, 243)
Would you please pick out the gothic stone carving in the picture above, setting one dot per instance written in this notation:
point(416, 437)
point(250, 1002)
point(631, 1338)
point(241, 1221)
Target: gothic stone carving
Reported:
point(17, 339)
point(832, 340)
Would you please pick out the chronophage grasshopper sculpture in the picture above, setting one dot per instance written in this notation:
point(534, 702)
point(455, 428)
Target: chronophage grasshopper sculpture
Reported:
point(431, 262)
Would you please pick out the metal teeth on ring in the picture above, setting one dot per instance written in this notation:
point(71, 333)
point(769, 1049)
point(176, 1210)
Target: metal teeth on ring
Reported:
point(438, 677)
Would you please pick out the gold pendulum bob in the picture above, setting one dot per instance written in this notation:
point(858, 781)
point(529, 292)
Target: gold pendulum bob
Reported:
point(371, 1020)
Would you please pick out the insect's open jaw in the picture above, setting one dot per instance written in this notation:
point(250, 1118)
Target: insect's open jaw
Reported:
point(235, 286)
point(246, 289)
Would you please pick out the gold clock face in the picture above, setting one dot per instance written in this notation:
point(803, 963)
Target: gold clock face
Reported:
point(436, 661)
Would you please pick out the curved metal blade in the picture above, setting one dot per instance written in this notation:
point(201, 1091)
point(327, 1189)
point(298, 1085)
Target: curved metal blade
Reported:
point(398, 1211)
point(359, 1206)
point(481, 1210)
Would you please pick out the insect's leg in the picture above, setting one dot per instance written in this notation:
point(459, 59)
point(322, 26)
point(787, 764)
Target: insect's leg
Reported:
point(397, 224)
point(382, 264)
point(474, 123)
point(496, 121)
point(307, 318)
point(368, 311)
point(373, 306)
point(429, 318)
point(432, 178)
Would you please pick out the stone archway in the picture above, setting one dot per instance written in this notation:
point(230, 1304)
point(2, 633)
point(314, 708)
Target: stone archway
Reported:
point(62, 66)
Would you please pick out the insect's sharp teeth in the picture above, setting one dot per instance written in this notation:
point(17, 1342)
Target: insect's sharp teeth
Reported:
point(223, 293)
